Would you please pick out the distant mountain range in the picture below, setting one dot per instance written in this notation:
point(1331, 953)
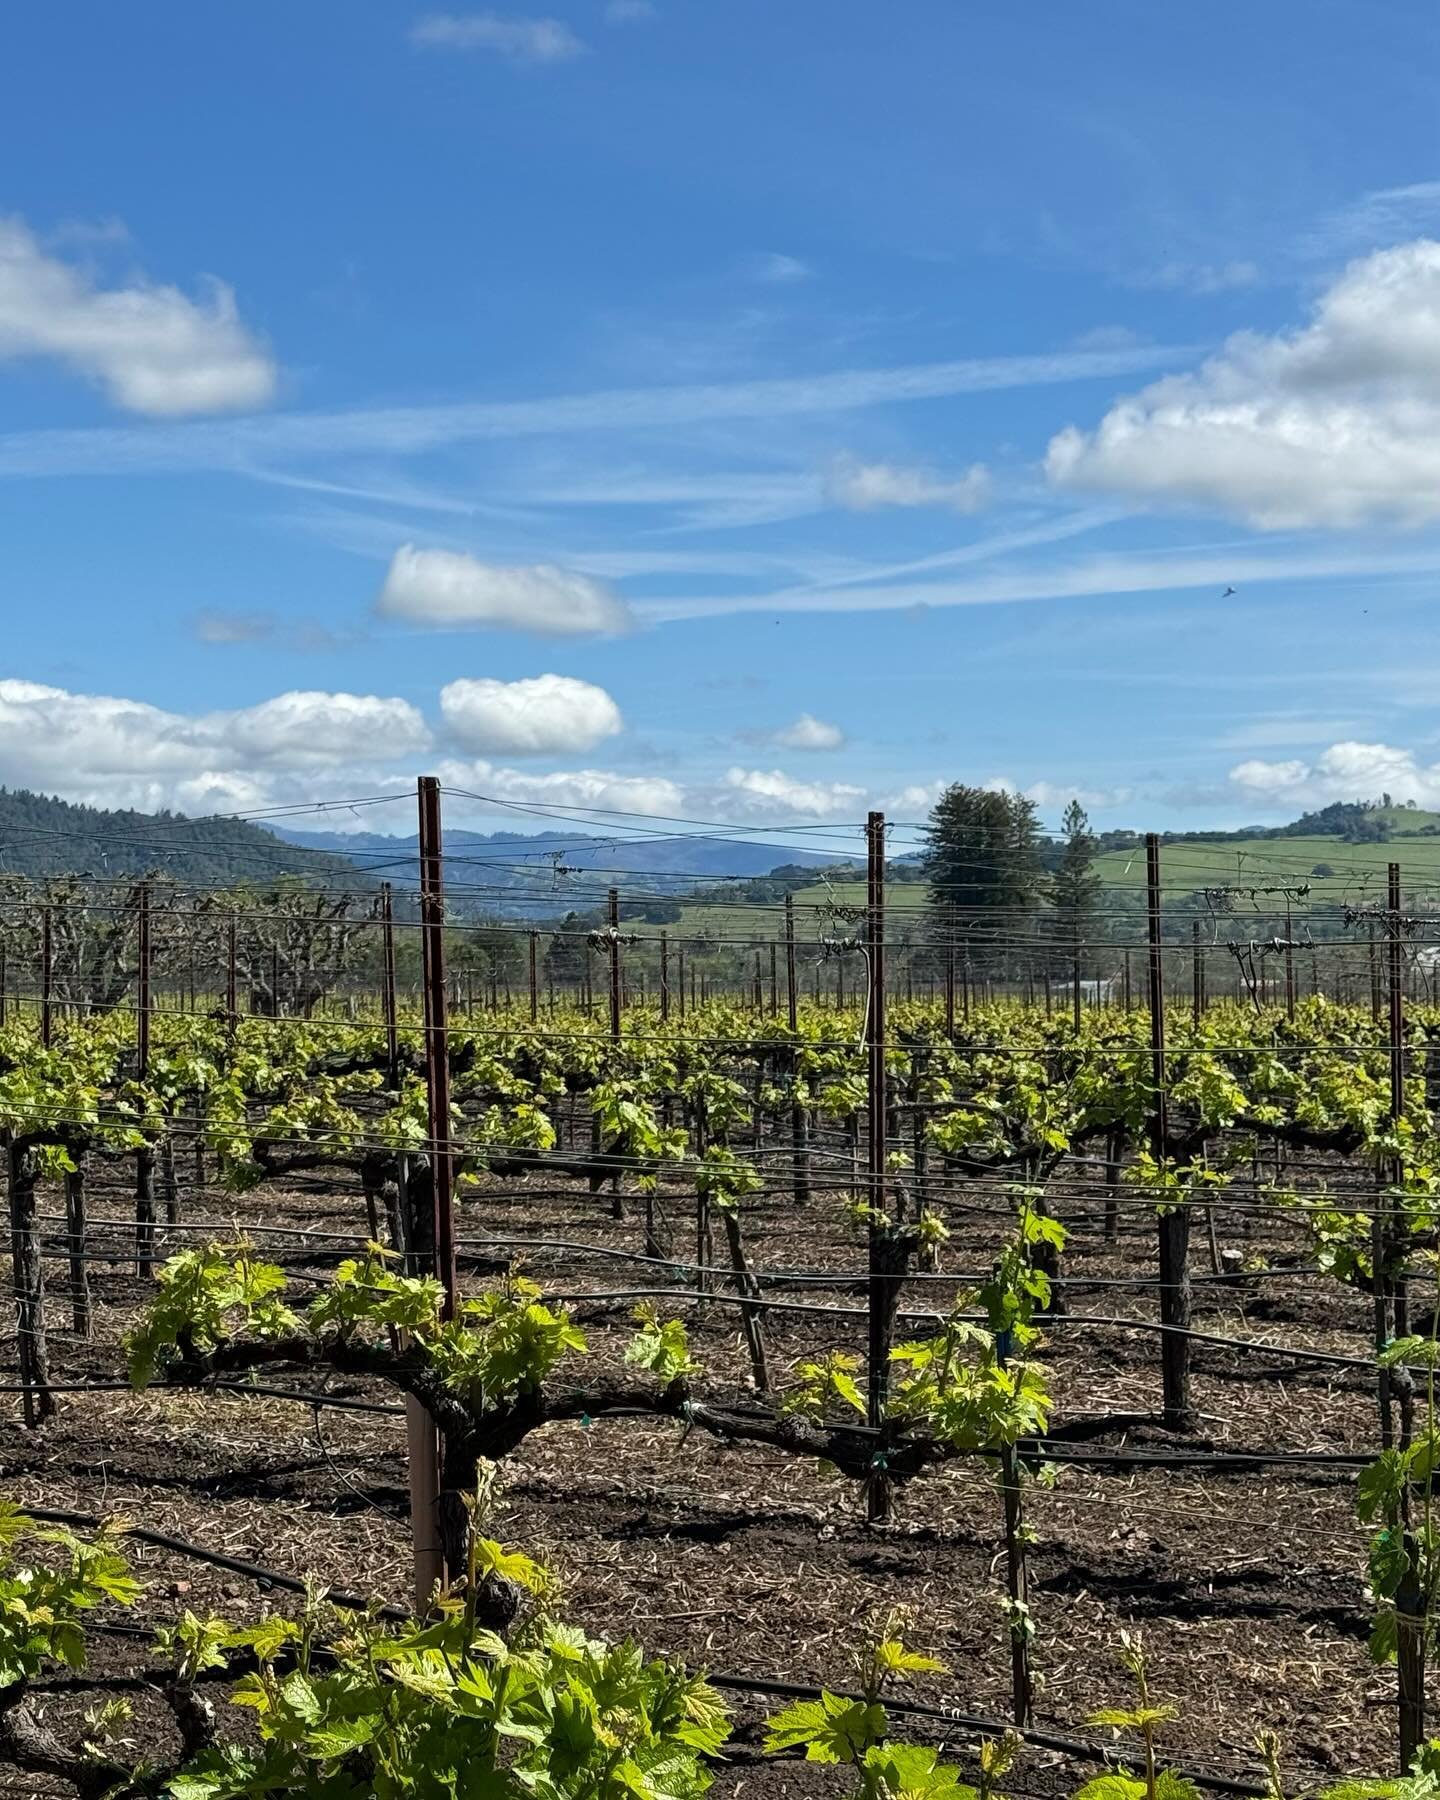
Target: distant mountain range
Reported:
point(514, 874)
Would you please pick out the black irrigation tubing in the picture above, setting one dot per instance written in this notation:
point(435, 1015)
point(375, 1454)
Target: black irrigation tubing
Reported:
point(797, 1277)
point(720, 1273)
point(979, 1722)
point(161, 1540)
point(1077, 1748)
point(332, 1402)
point(839, 1277)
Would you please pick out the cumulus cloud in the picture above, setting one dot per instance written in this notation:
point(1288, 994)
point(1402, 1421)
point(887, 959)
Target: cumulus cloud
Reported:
point(810, 733)
point(1334, 424)
point(1346, 771)
point(767, 793)
point(520, 40)
point(117, 752)
point(862, 487)
point(576, 789)
point(152, 349)
point(546, 715)
point(449, 588)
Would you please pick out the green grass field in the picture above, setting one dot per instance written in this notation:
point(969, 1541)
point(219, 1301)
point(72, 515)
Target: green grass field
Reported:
point(1337, 873)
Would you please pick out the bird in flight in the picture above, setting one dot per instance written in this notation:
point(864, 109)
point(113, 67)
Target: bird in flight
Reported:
point(1228, 592)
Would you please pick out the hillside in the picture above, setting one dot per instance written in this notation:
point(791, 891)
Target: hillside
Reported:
point(517, 875)
point(41, 836)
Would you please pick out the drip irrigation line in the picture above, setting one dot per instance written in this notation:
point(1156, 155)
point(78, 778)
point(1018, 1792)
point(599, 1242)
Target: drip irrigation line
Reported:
point(1078, 1748)
point(1100, 1754)
point(331, 1402)
point(161, 1540)
point(1047, 1322)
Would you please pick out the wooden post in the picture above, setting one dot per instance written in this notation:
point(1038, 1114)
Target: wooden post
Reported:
point(33, 1357)
point(437, 1037)
point(880, 1298)
point(387, 954)
point(426, 1497)
point(799, 1112)
point(232, 989)
point(664, 977)
point(1074, 981)
point(1197, 973)
point(145, 1155)
point(1174, 1223)
point(47, 976)
point(1017, 1579)
point(1409, 1598)
point(792, 997)
point(950, 974)
point(534, 977)
point(616, 994)
point(75, 1239)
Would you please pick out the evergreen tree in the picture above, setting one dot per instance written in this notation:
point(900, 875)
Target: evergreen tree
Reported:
point(984, 870)
point(1075, 892)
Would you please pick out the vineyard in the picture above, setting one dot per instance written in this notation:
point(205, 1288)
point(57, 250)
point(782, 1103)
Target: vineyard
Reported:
point(623, 1377)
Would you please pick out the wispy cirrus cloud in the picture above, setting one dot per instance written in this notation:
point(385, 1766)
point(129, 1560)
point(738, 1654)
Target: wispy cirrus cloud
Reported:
point(519, 40)
point(1383, 216)
point(1202, 277)
point(243, 444)
point(776, 268)
point(1111, 573)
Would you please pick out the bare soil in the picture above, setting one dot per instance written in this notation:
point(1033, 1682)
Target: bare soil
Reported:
point(1249, 1588)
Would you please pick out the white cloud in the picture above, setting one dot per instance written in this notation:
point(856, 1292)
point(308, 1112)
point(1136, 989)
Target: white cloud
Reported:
point(1384, 216)
point(810, 733)
point(116, 752)
point(152, 349)
point(591, 789)
point(1346, 771)
point(863, 486)
point(239, 445)
point(521, 40)
point(775, 267)
point(213, 626)
point(546, 715)
point(1052, 797)
point(629, 12)
point(1334, 424)
point(1203, 278)
point(767, 793)
point(448, 588)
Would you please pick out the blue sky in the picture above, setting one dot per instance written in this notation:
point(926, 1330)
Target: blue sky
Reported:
point(721, 409)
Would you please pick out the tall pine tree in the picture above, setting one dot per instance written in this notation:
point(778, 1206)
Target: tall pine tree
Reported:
point(984, 870)
point(1075, 891)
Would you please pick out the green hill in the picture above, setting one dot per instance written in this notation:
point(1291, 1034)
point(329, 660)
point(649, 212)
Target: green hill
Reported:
point(41, 836)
